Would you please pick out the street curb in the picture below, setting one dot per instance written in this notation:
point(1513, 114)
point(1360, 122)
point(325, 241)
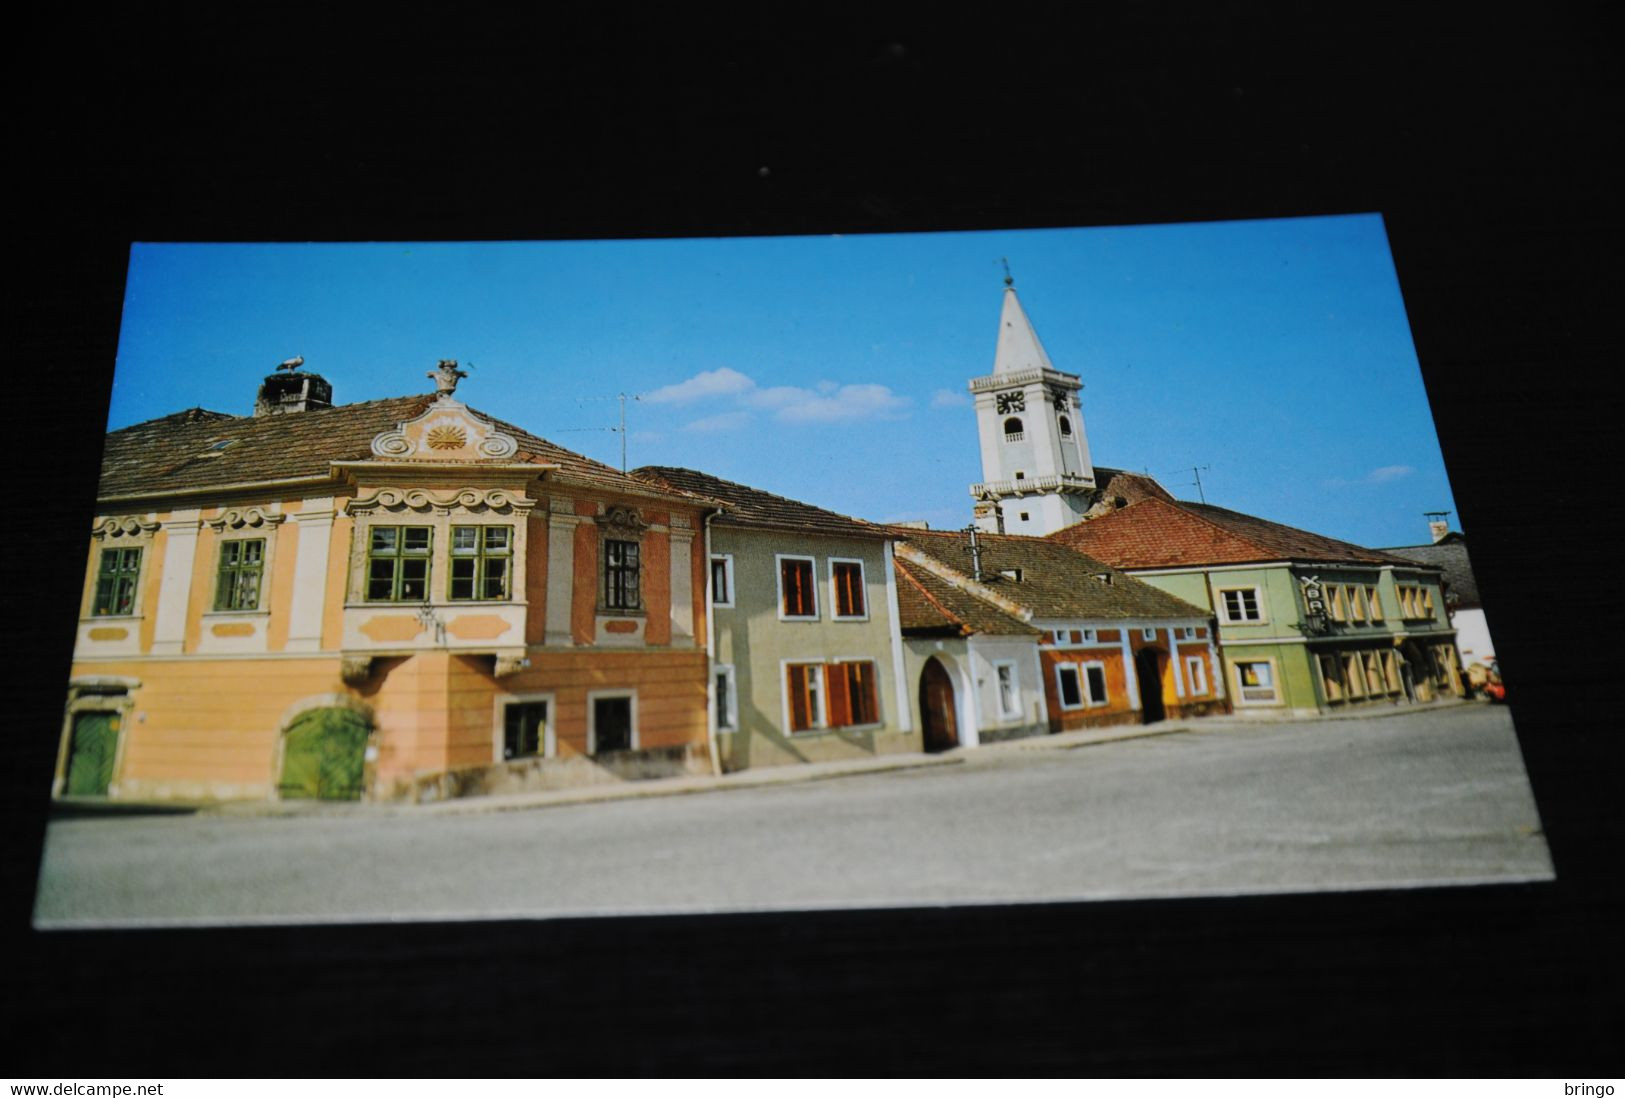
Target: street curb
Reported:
point(469, 806)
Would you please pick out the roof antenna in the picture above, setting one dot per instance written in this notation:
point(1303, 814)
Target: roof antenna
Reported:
point(1008, 281)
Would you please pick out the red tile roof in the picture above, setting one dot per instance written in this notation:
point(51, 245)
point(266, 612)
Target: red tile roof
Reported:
point(1160, 533)
point(184, 451)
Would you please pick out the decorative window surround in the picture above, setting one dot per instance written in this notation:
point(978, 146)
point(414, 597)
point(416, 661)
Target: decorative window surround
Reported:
point(801, 594)
point(846, 591)
point(722, 580)
point(1241, 605)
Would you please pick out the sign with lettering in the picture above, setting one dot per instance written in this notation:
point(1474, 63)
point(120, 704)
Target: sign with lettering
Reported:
point(1314, 594)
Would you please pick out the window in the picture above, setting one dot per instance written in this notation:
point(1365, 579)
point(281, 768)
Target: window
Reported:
point(480, 561)
point(610, 727)
point(1070, 688)
point(1094, 677)
point(115, 581)
point(833, 695)
point(805, 690)
point(1013, 431)
point(1354, 676)
point(524, 730)
point(846, 578)
point(1373, 674)
point(727, 708)
point(621, 575)
point(1196, 673)
point(1184, 633)
point(1255, 681)
point(1066, 427)
point(1416, 602)
point(1240, 604)
point(241, 565)
point(798, 594)
point(722, 581)
point(1390, 670)
point(1148, 634)
point(1339, 607)
point(398, 563)
point(1009, 690)
point(1373, 599)
point(1357, 603)
point(1331, 678)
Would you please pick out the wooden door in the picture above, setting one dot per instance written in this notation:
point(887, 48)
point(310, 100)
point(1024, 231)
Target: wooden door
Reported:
point(90, 754)
point(937, 707)
point(323, 756)
point(1148, 665)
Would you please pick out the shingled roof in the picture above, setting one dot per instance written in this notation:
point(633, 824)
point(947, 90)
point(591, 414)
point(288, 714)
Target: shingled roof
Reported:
point(752, 507)
point(199, 449)
point(1057, 582)
point(1450, 554)
point(929, 605)
point(1161, 533)
point(1120, 484)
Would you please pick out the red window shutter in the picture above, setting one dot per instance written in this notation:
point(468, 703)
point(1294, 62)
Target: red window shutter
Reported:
point(840, 703)
point(796, 686)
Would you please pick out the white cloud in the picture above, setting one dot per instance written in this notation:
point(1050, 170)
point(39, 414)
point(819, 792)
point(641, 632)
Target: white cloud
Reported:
point(1388, 473)
point(727, 421)
point(722, 381)
point(949, 398)
point(793, 405)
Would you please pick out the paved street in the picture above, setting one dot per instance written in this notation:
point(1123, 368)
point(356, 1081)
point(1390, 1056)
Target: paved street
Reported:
point(1227, 807)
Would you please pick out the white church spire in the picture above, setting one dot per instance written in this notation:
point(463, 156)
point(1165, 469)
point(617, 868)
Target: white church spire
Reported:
point(1036, 474)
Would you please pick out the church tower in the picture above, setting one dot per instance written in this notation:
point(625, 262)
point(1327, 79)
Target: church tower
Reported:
point(1036, 475)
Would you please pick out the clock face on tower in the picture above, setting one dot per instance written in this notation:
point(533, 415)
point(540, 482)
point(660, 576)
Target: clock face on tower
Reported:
point(1005, 403)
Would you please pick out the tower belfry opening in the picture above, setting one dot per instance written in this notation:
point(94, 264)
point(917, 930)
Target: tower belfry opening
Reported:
point(1034, 449)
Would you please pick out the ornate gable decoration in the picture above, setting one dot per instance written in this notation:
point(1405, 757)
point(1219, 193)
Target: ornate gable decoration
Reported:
point(236, 518)
point(124, 526)
point(622, 522)
point(446, 431)
point(472, 500)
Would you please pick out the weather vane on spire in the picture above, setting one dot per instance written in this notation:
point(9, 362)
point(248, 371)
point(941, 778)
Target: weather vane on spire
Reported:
point(1008, 281)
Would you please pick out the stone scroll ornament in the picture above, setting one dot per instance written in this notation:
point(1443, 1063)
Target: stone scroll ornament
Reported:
point(467, 499)
point(123, 526)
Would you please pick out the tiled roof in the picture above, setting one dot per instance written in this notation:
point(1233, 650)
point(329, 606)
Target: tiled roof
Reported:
point(926, 603)
point(1159, 533)
point(752, 507)
point(1450, 555)
point(177, 452)
point(1056, 582)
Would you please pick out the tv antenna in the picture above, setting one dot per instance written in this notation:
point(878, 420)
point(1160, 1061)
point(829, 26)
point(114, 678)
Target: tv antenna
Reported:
point(620, 430)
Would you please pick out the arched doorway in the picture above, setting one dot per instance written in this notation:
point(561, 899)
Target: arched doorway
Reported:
point(941, 727)
point(1148, 665)
point(323, 753)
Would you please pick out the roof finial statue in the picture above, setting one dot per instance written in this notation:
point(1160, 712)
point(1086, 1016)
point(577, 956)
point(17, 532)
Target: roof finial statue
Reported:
point(446, 375)
point(292, 363)
point(1008, 281)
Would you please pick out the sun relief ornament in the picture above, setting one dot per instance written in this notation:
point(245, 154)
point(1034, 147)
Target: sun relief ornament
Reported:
point(446, 430)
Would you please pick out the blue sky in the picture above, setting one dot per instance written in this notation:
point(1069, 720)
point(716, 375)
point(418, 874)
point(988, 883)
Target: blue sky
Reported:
point(1273, 354)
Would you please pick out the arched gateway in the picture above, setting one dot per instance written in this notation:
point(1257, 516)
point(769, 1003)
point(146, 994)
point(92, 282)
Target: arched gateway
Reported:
point(940, 726)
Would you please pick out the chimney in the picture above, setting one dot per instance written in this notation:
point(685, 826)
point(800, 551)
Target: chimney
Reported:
point(1437, 526)
point(291, 389)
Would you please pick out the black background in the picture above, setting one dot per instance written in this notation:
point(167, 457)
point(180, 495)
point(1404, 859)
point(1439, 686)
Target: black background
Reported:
point(1490, 149)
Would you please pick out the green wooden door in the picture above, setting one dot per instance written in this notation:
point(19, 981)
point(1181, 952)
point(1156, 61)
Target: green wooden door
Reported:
point(90, 757)
point(322, 756)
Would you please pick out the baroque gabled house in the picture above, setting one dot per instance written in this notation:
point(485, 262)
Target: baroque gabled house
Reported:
point(400, 598)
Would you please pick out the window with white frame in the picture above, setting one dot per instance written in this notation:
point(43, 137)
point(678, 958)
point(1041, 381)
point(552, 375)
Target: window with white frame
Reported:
point(524, 730)
point(798, 591)
point(1148, 634)
point(1196, 674)
point(1240, 604)
point(1255, 682)
point(840, 694)
point(727, 703)
point(722, 580)
point(1094, 682)
point(846, 586)
point(1009, 688)
point(1069, 685)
